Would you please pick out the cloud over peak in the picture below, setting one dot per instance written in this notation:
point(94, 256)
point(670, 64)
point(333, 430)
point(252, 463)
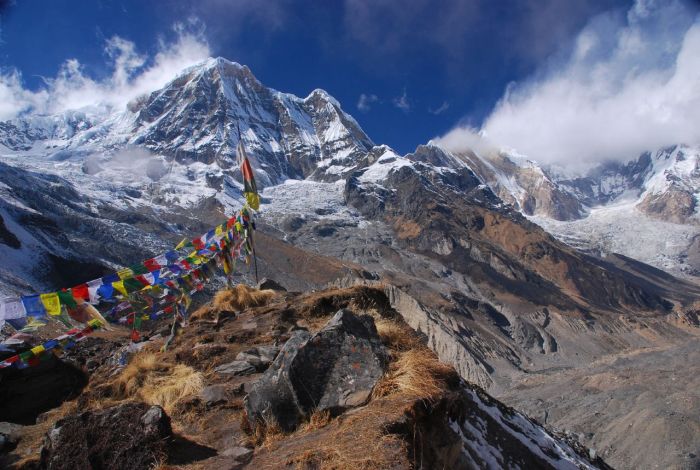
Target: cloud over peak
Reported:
point(133, 74)
point(630, 83)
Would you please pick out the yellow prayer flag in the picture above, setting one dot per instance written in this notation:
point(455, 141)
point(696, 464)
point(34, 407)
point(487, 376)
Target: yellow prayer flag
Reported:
point(119, 286)
point(125, 273)
point(36, 350)
point(51, 303)
point(219, 230)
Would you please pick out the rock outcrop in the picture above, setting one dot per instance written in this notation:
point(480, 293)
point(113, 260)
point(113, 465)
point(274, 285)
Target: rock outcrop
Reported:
point(129, 436)
point(333, 370)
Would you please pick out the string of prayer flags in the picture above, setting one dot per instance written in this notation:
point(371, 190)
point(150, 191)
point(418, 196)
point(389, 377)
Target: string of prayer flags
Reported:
point(151, 284)
point(66, 341)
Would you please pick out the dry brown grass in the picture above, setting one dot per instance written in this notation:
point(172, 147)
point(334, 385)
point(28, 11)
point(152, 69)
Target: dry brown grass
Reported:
point(317, 420)
point(357, 442)
point(397, 336)
point(236, 299)
point(265, 433)
point(157, 382)
point(416, 373)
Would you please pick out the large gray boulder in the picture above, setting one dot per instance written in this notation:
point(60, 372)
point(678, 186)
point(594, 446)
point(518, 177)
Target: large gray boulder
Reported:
point(333, 370)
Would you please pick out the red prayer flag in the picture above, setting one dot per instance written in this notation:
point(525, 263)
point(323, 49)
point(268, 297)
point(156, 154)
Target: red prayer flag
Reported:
point(198, 243)
point(81, 292)
point(152, 264)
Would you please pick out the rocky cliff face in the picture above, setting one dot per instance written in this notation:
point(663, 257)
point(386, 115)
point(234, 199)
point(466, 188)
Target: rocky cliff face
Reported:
point(525, 185)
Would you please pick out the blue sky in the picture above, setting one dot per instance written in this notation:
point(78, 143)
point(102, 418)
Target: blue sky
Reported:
point(422, 66)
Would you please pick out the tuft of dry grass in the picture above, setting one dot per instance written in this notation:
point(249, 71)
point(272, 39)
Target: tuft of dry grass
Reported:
point(397, 336)
point(343, 453)
point(416, 373)
point(149, 378)
point(265, 432)
point(317, 420)
point(236, 299)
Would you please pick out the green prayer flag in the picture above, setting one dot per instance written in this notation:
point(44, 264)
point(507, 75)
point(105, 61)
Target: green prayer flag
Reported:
point(66, 298)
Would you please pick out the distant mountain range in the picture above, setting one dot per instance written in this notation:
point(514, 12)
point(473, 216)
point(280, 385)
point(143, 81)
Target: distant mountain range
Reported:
point(495, 294)
point(648, 209)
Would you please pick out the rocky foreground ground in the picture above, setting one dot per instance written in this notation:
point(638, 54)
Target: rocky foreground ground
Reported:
point(268, 379)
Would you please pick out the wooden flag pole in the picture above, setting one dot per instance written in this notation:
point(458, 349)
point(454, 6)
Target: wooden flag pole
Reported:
point(251, 230)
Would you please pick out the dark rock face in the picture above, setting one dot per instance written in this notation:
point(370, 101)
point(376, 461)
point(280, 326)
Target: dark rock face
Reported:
point(26, 393)
point(273, 395)
point(137, 439)
point(8, 238)
point(333, 370)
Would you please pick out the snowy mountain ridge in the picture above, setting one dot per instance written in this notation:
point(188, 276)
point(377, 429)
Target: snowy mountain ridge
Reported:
point(655, 198)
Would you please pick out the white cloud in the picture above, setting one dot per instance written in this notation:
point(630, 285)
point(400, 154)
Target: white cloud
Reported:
point(133, 75)
point(440, 109)
point(364, 103)
point(466, 138)
point(630, 83)
point(402, 102)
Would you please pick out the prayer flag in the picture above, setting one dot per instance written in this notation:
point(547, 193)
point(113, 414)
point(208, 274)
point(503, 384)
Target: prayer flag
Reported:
point(250, 190)
point(106, 291)
point(33, 306)
point(119, 287)
point(93, 288)
point(81, 292)
point(151, 264)
point(52, 303)
point(11, 309)
point(110, 278)
point(67, 298)
point(125, 273)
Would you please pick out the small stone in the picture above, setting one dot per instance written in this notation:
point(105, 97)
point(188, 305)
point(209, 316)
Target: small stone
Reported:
point(357, 398)
point(213, 394)
point(259, 357)
point(153, 416)
point(240, 454)
point(268, 353)
point(251, 358)
point(236, 368)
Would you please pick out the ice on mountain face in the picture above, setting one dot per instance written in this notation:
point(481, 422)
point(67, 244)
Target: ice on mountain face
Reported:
point(380, 170)
point(309, 199)
point(622, 228)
